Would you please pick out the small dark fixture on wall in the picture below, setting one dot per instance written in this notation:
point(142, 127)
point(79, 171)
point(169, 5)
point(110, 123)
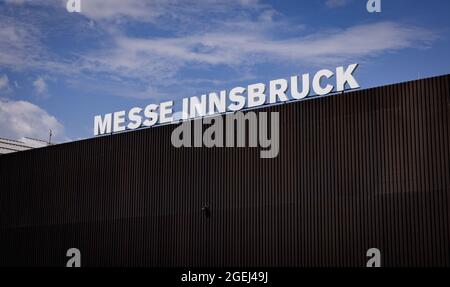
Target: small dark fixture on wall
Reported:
point(206, 212)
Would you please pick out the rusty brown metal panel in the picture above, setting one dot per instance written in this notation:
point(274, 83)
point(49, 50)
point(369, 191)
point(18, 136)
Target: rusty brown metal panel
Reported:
point(368, 168)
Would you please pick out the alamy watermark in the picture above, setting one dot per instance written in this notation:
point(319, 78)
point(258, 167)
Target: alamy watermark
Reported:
point(232, 130)
point(373, 6)
point(75, 257)
point(73, 6)
point(374, 255)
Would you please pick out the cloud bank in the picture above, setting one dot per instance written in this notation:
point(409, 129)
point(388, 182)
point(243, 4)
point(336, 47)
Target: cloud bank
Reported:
point(20, 119)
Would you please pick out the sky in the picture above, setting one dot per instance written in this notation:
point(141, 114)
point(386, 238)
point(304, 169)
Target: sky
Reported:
point(59, 69)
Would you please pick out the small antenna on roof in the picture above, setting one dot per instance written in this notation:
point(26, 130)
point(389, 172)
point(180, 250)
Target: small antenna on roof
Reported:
point(50, 137)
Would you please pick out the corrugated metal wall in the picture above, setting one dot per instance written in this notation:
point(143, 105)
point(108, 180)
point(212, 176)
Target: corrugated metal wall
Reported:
point(369, 168)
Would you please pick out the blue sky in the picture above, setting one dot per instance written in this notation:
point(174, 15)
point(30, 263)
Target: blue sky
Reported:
point(59, 69)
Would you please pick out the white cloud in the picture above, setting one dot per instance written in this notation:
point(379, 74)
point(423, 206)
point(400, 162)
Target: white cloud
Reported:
point(337, 3)
point(36, 2)
point(23, 119)
point(17, 2)
point(150, 11)
point(143, 10)
point(4, 84)
point(19, 44)
point(21, 48)
point(104, 10)
point(140, 57)
point(40, 86)
point(236, 38)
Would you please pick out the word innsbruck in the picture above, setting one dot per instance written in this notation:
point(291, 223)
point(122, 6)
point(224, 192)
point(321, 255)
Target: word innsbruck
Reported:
point(238, 98)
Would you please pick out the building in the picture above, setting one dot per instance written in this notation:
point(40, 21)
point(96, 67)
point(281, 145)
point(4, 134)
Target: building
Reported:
point(9, 146)
point(359, 170)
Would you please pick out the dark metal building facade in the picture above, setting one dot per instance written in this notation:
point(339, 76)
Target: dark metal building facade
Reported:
point(368, 168)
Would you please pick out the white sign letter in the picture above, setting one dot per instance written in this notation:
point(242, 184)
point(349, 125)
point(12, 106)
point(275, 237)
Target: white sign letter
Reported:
point(198, 106)
point(135, 118)
point(256, 96)
point(294, 87)
point(102, 126)
point(165, 112)
point(346, 76)
point(218, 103)
point(278, 89)
point(318, 90)
point(119, 119)
point(151, 115)
point(237, 99)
